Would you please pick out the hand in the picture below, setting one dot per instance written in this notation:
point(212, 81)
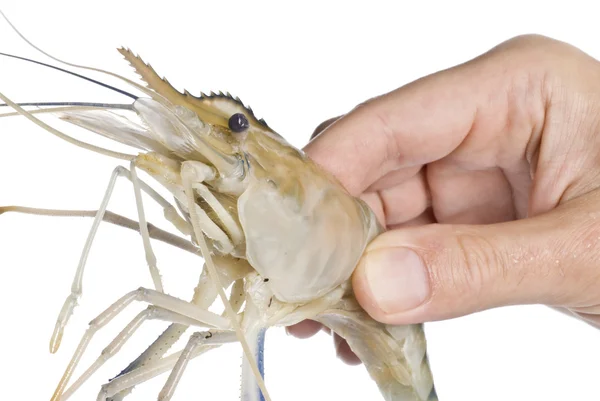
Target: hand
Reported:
point(487, 177)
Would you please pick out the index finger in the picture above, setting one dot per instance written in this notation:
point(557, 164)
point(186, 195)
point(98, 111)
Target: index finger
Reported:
point(425, 120)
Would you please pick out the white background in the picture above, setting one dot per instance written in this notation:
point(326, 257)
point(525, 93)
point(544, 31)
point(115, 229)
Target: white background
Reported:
point(296, 66)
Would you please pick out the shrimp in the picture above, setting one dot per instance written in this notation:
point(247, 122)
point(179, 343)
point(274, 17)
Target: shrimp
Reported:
point(279, 232)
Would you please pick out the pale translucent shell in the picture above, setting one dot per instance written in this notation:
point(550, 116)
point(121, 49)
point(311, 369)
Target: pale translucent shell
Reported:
point(305, 248)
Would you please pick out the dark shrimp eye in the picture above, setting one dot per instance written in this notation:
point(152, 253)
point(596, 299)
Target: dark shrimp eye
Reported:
point(238, 122)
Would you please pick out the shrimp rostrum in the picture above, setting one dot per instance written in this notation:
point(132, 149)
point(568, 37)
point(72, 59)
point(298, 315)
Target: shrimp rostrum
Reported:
point(271, 225)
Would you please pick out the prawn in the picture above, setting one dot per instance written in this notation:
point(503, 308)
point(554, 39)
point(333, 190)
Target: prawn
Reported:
point(273, 227)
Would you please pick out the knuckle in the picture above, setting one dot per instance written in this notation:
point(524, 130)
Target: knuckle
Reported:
point(537, 54)
point(540, 44)
point(527, 41)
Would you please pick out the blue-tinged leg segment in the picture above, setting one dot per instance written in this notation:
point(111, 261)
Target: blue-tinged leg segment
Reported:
point(250, 389)
point(260, 359)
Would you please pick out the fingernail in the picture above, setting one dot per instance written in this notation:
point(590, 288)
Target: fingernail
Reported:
point(397, 279)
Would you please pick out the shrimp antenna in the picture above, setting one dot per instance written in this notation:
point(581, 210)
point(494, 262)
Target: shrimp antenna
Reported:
point(123, 106)
point(141, 88)
point(55, 132)
point(71, 73)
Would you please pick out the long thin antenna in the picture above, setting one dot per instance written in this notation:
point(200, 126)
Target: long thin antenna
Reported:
point(54, 131)
point(49, 110)
point(122, 106)
point(151, 93)
point(122, 92)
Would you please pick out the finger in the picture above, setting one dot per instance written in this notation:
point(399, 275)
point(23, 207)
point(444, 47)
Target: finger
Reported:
point(435, 272)
point(304, 329)
point(429, 118)
point(464, 196)
point(403, 197)
point(424, 218)
point(404, 200)
point(323, 126)
point(343, 351)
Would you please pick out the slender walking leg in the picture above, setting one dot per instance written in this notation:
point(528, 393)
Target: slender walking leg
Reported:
point(157, 367)
point(196, 340)
point(76, 287)
point(153, 297)
point(150, 313)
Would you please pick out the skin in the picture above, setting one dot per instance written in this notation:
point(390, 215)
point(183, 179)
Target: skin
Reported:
point(490, 172)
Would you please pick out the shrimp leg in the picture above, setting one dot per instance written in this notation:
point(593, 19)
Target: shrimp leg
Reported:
point(190, 176)
point(250, 390)
point(174, 332)
point(202, 338)
point(201, 317)
point(204, 295)
point(76, 287)
point(196, 340)
point(202, 172)
point(150, 313)
point(206, 341)
point(112, 218)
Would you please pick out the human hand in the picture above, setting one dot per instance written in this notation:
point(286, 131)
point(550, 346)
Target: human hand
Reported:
point(486, 176)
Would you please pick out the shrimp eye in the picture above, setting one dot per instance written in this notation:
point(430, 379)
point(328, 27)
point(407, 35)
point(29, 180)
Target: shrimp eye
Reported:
point(238, 122)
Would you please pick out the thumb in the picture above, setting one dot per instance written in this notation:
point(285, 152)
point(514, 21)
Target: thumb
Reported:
point(435, 272)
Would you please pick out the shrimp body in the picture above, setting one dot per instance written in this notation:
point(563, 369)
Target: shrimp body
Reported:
point(268, 221)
